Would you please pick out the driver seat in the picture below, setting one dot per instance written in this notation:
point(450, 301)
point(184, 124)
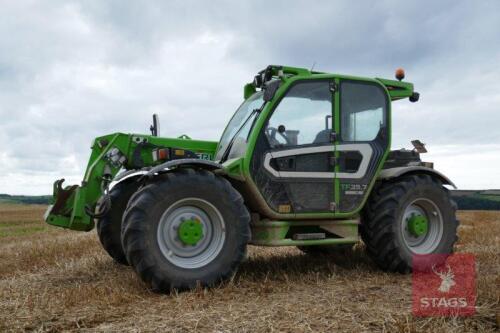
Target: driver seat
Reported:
point(323, 136)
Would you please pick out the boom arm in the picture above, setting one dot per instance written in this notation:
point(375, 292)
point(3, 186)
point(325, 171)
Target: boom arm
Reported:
point(73, 206)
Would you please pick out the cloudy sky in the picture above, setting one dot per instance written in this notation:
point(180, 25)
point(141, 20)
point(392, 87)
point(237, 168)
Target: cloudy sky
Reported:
point(70, 71)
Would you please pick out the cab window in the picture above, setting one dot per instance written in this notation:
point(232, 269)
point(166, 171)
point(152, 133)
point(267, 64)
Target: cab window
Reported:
point(303, 116)
point(363, 109)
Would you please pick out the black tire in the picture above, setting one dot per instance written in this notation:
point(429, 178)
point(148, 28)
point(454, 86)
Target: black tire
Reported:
point(315, 250)
point(382, 229)
point(148, 208)
point(109, 226)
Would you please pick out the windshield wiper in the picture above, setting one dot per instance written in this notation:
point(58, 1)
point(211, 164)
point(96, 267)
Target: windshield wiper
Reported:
point(230, 144)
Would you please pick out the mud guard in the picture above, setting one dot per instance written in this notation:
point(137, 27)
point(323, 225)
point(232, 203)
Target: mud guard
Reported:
point(194, 162)
point(400, 171)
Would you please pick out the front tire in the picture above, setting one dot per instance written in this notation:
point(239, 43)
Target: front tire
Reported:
point(187, 228)
point(408, 216)
point(109, 226)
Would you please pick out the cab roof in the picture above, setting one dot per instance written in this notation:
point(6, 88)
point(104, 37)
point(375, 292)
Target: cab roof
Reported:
point(396, 89)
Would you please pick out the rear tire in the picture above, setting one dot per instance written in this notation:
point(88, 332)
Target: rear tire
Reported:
point(156, 215)
point(109, 226)
point(386, 216)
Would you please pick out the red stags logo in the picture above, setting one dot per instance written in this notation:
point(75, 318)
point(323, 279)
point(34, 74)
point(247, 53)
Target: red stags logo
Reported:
point(447, 279)
point(444, 285)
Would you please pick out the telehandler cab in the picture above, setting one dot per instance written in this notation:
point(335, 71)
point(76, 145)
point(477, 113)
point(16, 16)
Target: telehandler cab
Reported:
point(305, 161)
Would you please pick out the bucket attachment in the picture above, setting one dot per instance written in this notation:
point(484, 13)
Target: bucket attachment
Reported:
point(67, 210)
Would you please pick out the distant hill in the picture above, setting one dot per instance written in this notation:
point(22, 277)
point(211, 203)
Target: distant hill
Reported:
point(25, 199)
point(465, 199)
point(477, 199)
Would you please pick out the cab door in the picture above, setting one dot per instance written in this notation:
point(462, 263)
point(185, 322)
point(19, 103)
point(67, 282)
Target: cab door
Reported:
point(294, 156)
point(362, 139)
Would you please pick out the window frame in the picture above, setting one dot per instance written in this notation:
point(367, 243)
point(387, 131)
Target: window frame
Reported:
point(385, 110)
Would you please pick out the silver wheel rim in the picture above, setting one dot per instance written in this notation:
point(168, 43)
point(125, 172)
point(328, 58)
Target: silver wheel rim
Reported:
point(207, 249)
point(428, 242)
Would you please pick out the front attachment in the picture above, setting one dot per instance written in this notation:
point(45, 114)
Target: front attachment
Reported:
point(67, 210)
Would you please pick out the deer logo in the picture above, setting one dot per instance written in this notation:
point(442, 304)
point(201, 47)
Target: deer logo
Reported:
point(447, 279)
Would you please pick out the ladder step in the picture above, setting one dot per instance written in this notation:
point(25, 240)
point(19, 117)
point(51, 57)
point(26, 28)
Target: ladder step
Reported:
point(309, 236)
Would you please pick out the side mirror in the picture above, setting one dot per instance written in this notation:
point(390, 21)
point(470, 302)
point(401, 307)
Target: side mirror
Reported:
point(414, 97)
point(248, 90)
point(270, 89)
point(155, 128)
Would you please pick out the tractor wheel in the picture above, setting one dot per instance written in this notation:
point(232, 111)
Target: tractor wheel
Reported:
point(109, 226)
point(187, 228)
point(412, 215)
point(315, 250)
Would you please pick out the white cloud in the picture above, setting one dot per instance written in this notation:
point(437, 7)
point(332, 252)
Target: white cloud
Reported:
point(469, 167)
point(70, 71)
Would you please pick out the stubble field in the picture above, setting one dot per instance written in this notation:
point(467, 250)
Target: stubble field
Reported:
point(55, 280)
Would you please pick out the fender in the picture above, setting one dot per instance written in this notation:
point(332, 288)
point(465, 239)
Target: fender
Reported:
point(400, 171)
point(204, 164)
point(130, 174)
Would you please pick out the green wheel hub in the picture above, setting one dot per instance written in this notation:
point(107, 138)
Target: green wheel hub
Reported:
point(190, 231)
point(418, 225)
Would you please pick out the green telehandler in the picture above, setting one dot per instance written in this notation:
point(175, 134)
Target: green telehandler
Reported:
point(305, 161)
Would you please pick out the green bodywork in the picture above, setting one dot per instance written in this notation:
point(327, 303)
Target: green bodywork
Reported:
point(274, 233)
point(123, 152)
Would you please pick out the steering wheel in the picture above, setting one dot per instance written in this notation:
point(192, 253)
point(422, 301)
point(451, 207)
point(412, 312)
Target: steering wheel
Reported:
point(271, 135)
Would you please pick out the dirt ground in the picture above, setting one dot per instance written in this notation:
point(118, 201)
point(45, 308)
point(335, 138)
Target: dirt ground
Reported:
point(58, 280)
